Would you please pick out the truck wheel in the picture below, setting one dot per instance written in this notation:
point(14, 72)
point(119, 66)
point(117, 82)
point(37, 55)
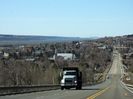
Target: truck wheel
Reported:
point(62, 88)
point(67, 88)
point(77, 87)
point(80, 87)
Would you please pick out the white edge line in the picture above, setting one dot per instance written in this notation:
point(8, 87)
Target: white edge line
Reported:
point(124, 86)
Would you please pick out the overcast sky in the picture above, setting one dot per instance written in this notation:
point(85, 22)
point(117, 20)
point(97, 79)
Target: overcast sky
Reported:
point(77, 18)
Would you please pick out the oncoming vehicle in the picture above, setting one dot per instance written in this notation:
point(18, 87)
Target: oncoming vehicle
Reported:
point(71, 78)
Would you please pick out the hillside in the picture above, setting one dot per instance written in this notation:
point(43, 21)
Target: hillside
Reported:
point(6, 39)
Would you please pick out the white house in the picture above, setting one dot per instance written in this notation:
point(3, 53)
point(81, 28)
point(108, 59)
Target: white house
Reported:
point(6, 55)
point(66, 56)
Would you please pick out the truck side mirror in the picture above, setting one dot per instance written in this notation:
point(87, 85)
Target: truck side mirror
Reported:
point(60, 74)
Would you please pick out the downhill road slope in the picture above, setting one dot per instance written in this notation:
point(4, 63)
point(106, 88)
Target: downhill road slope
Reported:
point(110, 89)
point(116, 91)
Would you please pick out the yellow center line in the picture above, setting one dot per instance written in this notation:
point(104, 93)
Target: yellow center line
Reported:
point(98, 93)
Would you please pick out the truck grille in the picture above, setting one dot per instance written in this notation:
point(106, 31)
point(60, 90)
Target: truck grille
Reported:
point(68, 81)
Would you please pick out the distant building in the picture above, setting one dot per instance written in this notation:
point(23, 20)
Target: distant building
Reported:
point(38, 52)
point(1, 54)
point(30, 59)
point(66, 56)
point(6, 55)
point(128, 55)
point(102, 47)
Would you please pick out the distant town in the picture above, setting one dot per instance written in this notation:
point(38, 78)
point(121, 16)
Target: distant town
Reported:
point(33, 64)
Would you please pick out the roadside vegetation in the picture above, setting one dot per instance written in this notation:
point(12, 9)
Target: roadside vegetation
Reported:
point(126, 51)
point(35, 64)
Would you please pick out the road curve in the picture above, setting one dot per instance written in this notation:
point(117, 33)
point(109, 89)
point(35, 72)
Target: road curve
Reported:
point(116, 90)
point(110, 89)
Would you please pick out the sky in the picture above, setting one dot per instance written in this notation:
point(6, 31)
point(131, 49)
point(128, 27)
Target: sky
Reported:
point(70, 18)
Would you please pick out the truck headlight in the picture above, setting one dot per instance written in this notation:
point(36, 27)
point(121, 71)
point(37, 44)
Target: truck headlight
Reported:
point(62, 81)
point(75, 81)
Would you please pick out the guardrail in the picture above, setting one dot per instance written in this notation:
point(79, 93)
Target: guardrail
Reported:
point(32, 88)
point(26, 89)
point(124, 85)
point(130, 89)
point(128, 85)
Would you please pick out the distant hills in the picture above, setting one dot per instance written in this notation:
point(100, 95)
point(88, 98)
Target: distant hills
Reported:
point(31, 38)
point(22, 39)
point(130, 35)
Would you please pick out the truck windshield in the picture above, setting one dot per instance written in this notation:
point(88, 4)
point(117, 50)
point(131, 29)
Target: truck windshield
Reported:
point(70, 73)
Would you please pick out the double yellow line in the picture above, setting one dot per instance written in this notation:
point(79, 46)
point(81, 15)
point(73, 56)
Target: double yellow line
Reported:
point(98, 93)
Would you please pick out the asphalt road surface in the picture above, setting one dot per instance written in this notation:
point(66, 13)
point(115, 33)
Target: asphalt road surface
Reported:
point(110, 89)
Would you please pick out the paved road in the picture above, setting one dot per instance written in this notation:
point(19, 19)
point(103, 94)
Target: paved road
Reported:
point(115, 90)
point(110, 89)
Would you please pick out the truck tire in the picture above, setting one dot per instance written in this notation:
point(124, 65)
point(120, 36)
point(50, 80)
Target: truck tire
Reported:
point(78, 87)
point(62, 88)
point(67, 88)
